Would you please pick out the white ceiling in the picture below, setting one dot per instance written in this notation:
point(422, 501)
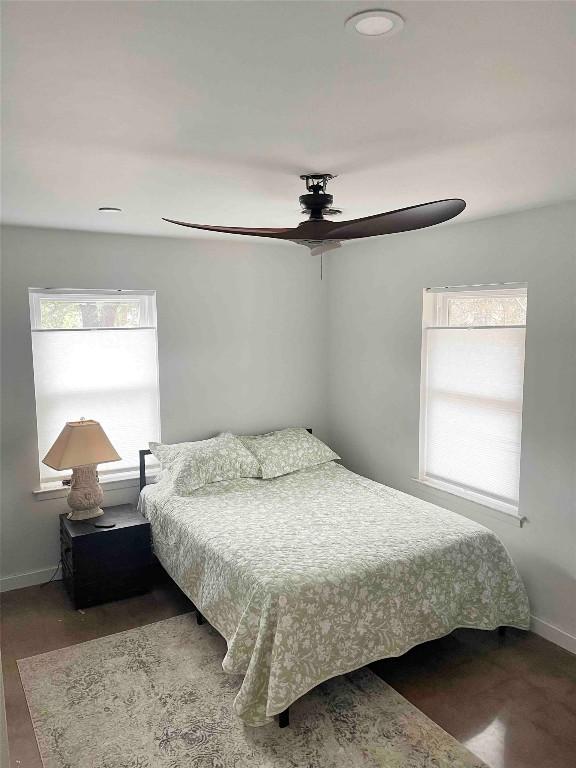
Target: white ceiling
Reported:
point(209, 111)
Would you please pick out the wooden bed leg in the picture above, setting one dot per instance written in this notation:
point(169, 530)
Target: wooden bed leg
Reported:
point(199, 618)
point(284, 718)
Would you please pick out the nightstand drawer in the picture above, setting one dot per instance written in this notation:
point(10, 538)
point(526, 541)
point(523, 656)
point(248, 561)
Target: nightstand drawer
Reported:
point(66, 555)
point(116, 586)
point(128, 548)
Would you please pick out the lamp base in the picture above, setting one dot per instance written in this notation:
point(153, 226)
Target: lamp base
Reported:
point(85, 494)
point(85, 514)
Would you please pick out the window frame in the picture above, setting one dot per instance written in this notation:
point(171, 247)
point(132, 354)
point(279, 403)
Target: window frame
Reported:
point(443, 298)
point(435, 315)
point(146, 299)
point(110, 477)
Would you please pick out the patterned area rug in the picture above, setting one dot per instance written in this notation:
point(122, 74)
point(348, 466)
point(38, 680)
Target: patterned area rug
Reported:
point(157, 697)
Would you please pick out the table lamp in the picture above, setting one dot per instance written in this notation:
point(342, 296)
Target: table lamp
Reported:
point(81, 446)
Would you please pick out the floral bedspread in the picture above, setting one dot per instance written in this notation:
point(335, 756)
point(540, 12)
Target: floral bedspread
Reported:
point(322, 571)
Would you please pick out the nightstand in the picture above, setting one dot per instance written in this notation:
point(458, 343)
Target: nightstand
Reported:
point(102, 564)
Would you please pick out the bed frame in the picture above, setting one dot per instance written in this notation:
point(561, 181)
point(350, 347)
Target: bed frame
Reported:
point(283, 717)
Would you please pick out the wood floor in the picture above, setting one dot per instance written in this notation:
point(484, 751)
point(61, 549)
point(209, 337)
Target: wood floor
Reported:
point(512, 703)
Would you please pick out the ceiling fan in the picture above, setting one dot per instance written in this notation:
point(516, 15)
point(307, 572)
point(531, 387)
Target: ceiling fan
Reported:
point(318, 232)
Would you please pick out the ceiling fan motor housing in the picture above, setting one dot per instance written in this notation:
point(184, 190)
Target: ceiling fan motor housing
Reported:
point(316, 203)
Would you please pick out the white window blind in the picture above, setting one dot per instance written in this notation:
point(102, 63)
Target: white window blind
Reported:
point(472, 383)
point(95, 356)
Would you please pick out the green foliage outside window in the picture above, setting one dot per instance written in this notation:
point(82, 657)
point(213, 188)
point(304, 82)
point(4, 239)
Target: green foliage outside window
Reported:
point(58, 314)
point(489, 310)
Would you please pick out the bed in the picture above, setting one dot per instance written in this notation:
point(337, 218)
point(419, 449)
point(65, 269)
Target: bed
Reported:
point(322, 571)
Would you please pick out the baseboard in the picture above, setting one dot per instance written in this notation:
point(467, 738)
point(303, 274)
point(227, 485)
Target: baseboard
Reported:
point(552, 633)
point(30, 579)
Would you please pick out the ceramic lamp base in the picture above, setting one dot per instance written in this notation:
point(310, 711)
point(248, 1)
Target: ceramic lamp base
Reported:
point(85, 494)
point(85, 514)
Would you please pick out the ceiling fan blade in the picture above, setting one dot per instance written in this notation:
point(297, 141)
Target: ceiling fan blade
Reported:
point(402, 220)
point(281, 233)
point(313, 232)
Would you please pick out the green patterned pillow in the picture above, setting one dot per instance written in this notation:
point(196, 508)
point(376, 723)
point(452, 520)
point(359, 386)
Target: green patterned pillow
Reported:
point(194, 465)
point(287, 450)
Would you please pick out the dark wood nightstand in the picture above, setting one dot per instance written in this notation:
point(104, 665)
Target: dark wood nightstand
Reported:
point(103, 564)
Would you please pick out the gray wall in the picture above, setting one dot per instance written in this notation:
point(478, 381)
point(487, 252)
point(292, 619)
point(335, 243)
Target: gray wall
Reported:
point(374, 332)
point(249, 339)
point(241, 347)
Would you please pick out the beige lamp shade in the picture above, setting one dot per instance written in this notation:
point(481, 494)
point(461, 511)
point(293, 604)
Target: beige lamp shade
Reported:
point(80, 443)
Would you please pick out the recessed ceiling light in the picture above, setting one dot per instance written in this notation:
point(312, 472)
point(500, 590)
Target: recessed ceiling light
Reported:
point(108, 209)
point(375, 23)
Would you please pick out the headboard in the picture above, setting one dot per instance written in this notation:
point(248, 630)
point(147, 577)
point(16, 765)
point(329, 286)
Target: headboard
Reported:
point(146, 452)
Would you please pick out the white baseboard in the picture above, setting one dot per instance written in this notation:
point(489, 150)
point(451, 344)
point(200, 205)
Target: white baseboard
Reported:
point(552, 633)
point(30, 579)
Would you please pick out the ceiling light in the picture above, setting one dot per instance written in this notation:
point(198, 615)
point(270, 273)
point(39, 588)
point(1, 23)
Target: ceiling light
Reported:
point(108, 209)
point(375, 23)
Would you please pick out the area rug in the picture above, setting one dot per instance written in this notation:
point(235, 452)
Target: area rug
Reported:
point(157, 697)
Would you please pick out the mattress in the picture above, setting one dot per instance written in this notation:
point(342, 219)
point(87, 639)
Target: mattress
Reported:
point(322, 571)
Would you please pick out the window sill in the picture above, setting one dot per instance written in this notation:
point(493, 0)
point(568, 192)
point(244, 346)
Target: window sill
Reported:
point(493, 508)
point(58, 491)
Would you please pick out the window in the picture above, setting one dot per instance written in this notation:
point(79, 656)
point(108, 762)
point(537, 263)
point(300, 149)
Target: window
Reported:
point(95, 356)
point(471, 397)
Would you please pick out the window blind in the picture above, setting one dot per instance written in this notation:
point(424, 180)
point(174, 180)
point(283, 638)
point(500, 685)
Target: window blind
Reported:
point(472, 409)
point(110, 375)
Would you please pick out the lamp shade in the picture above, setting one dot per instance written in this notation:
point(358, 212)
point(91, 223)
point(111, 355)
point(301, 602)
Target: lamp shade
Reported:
point(80, 442)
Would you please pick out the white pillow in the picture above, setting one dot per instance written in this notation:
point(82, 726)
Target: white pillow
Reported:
point(287, 450)
point(193, 465)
